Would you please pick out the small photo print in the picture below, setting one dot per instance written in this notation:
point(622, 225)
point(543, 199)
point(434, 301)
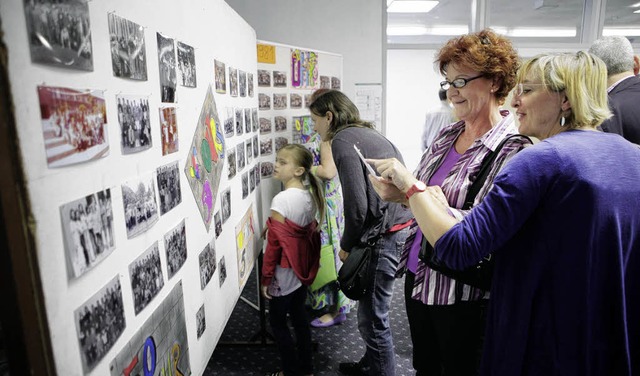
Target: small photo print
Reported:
point(295, 101)
point(279, 79)
point(264, 102)
point(135, 123)
point(229, 123)
point(266, 169)
point(245, 185)
point(252, 180)
point(256, 173)
point(239, 121)
point(217, 218)
point(240, 156)
point(128, 56)
point(231, 163)
point(279, 101)
point(335, 83)
point(249, 151)
point(250, 84)
point(59, 33)
point(207, 259)
point(242, 83)
point(99, 323)
point(281, 142)
point(168, 177)
point(167, 68)
point(221, 77)
point(233, 82)
point(247, 120)
point(169, 129)
point(140, 207)
point(73, 125)
point(187, 65)
point(307, 100)
point(266, 147)
point(146, 277)
point(265, 125)
point(175, 244)
point(325, 82)
point(225, 203)
point(200, 321)
point(281, 123)
point(254, 120)
point(264, 78)
point(222, 267)
point(87, 226)
point(256, 144)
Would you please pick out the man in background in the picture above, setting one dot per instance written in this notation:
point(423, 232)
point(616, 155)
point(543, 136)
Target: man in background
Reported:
point(436, 120)
point(624, 86)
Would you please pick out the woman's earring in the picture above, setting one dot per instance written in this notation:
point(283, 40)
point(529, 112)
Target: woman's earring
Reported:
point(562, 121)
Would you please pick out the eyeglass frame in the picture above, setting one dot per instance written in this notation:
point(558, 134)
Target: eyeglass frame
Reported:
point(465, 81)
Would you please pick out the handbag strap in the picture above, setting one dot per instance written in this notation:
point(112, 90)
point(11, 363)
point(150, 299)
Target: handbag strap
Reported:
point(487, 162)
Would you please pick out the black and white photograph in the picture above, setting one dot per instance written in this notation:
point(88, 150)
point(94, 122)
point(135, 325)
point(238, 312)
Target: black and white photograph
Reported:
point(60, 33)
point(249, 151)
point(135, 123)
point(307, 100)
point(187, 65)
point(239, 121)
point(279, 101)
point(175, 245)
point(265, 125)
point(140, 206)
point(225, 203)
point(295, 100)
point(242, 83)
point(281, 123)
point(279, 79)
point(221, 77)
point(266, 169)
point(217, 219)
point(99, 323)
point(250, 85)
point(255, 126)
point(222, 271)
point(200, 321)
point(207, 259)
point(233, 82)
point(281, 142)
point(252, 180)
point(245, 185)
point(256, 146)
point(335, 83)
point(146, 277)
point(256, 173)
point(229, 123)
point(231, 163)
point(168, 177)
point(264, 102)
point(167, 68)
point(128, 50)
point(325, 82)
point(240, 156)
point(266, 147)
point(247, 120)
point(264, 78)
point(87, 226)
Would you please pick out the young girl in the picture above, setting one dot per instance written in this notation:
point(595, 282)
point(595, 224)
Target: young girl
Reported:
point(292, 256)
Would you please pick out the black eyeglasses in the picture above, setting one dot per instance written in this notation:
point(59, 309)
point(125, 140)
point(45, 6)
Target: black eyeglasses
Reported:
point(458, 82)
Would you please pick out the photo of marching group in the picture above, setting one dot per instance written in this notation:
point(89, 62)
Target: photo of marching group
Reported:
point(264, 78)
point(233, 82)
point(201, 324)
point(229, 123)
point(256, 146)
point(169, 129)
point(247, 120)
point(146, 277)
point(225, 203)
point(175, 245)
point(240, 156)
point(167, 67)
point(245, 185)
point(168, 177)
point(325, 82)
point(265, 125)
point(266, 169)
point(140, 207)
point(281, 123)
point(221, 77)
point(279, 79)
point(239, 121)
point(87, 226)
point(231, 163)
point(264, 102)
point(254, 119)
point(249, 151)
point(281, 142)
point(250, 84)
point(59, 33)
point(73, 125)
point(279, 101)
point(187, 64)
point(207, 260)
point(295, 101)
point(128, 56)
point(135, 124)
point(99, 323)
point(266, 147)
point(242, 82)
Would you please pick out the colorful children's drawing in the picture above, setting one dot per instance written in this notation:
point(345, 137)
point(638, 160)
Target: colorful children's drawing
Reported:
point(304, 69)
point(302, 129)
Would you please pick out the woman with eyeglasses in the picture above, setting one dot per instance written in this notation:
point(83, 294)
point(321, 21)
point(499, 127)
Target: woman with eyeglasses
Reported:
point(562, 221)
point(446, 317)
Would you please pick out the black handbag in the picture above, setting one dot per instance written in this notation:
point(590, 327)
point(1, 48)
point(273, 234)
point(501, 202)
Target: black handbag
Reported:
point(354, 275)
point(481, 274)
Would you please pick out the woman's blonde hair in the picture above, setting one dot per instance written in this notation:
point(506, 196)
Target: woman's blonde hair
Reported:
point(582, 77)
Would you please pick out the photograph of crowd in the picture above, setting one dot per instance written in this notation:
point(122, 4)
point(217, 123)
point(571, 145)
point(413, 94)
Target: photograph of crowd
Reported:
point(325, 82)
point(279, 101)
point(256, 145)
point(242, 83)
point(264, 78)
point(59, 33)
point(175, 244)
point(221, 77)
point(233, 82)
point(245, 185)
point(225, 203)
point(140, 207)
point(200, 321)
point(281, 123)
point(135, 125)
point(335, 83)
point(256, 173)
point(167, 68)
point(249, 151)
point(146, 277)
point(73, 125)
point(295, 100)
point(239, 121)
point(187, 64)
point(265, 125)
point(168, 177)
point(254, 119)
point(87, 226)
point(99, 323)
point(250, 84)
point(247, 120)
point(307, 100)
point(217, 219)
point(169, 129)
point(229, 123)
point(252, 180)
point(266, 169)
point(240, 156)
point(264, 102)
point(208, 265)
point(280, 143)
point(279, 79)
point(266, 147)
point(222, 271)
point(128, 56)
point(231, 163)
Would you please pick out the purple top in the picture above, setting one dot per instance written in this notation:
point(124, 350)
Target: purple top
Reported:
point(437, 179)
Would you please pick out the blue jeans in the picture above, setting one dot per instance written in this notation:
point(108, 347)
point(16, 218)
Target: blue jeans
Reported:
point(373, 308)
